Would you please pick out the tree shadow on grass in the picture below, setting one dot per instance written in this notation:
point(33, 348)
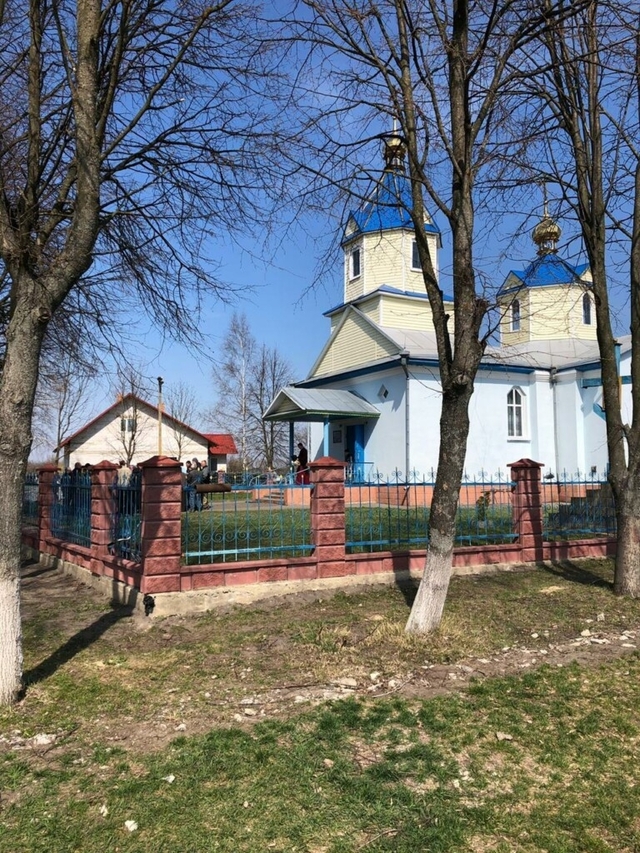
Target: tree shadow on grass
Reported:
point(36, 570)
point(407, 585)
point(576, 573)
point(76, 644)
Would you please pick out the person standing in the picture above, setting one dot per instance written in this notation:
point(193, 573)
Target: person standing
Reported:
point(302, 474)
point(193, 478)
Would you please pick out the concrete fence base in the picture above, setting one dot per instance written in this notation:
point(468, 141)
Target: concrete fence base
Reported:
point(178, 588)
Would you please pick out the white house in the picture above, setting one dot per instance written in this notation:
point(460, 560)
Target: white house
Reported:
point(373, 394)
point(129, 430)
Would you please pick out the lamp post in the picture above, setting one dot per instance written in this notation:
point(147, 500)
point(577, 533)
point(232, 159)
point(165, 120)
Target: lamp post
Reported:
point(160, 384)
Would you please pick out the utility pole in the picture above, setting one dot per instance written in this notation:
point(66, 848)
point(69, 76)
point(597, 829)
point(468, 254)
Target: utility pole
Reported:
point(160, 404)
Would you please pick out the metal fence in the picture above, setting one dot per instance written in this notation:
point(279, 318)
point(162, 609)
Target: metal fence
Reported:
point(30, 499)
point(393, 514)
point(244, 524)
point(71, 507)
point(577, 506)
point(126, 526)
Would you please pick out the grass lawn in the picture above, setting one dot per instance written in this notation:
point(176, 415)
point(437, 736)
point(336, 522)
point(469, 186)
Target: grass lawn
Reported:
point(319, 727)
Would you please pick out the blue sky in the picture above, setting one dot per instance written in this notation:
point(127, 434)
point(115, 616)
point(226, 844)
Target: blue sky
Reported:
point(278, 295)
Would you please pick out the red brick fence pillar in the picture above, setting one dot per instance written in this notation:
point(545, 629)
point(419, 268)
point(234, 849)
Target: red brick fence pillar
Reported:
point(103, 476)
point(45, 500)
point(161, 525)
point(327, 516)
point(527, 508)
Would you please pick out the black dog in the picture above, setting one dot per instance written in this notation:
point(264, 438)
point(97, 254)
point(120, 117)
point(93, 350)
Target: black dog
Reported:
point(149, 603)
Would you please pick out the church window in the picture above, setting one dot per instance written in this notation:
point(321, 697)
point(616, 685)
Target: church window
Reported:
point(415, 256)
point(355, 259)
point(515, 315)
point(586, 309)
point(515, 413)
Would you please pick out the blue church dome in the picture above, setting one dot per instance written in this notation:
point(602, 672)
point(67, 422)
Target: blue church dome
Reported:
point(390, 202)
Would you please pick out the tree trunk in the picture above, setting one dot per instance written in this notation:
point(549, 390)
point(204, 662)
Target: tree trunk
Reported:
point(17, 391)
point(428, 606)
point(627, 570)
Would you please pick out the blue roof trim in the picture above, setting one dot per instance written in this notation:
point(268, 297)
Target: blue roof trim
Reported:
point(583, 368)
point(348, 374)
point(546, 271)
point(491, 368)
point(385, 288)
point(417, 362)
point(387, 208)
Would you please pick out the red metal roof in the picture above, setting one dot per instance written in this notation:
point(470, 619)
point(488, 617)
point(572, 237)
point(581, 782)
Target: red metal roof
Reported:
point(221, 443)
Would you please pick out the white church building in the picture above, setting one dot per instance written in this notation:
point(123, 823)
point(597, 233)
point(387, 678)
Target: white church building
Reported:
point(373, 395)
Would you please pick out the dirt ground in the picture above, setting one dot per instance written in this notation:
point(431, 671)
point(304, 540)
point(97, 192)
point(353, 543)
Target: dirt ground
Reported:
point(249, 665)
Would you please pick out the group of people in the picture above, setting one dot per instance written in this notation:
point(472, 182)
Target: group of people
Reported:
point(67, 487)
point(196, 472)
point(127, 488)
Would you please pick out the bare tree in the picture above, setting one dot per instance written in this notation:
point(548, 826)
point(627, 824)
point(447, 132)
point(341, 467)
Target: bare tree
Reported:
point(231, 385)
point(584, 93)
point(63, 402)
point(125, 130)
point(128, 430)
point(183, 405)
point(442, 69)
point(130, 387)
point(270, 372)
point(246, 381)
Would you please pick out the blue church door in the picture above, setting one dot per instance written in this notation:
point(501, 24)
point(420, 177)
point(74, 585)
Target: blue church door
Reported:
point(355, 446)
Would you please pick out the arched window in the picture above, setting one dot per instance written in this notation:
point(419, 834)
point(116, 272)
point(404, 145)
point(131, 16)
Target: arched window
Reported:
point(515, 315)
point(415, 256)
point(586, 309)
point(515, 413)
point(355, 263)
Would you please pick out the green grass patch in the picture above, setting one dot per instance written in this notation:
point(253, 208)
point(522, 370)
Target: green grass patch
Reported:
point(386, 776)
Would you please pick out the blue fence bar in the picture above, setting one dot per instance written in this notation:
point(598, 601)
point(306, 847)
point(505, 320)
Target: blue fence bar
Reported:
point(244, 524)
point(577, 506)
point(71, 507)
point(393, 514)
point(485, 512)
point(127, 517)
point(30, 499)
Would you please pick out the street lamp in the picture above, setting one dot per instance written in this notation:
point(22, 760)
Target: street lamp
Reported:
point(160, 384)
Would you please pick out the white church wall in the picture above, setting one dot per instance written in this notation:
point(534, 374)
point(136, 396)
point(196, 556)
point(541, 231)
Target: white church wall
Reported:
point(595, 438)
point(543, 444)
point(384, 438)
point(316, 441)
point(570, 425)
point(627, 404)
point(490, 448)
point(425, 405)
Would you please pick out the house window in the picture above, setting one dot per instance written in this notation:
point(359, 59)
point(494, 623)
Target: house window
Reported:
point(515, 315)
point(586, 309)
point(415, 256)
point(515, 413)
point(355, 259)
point(127, 425)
